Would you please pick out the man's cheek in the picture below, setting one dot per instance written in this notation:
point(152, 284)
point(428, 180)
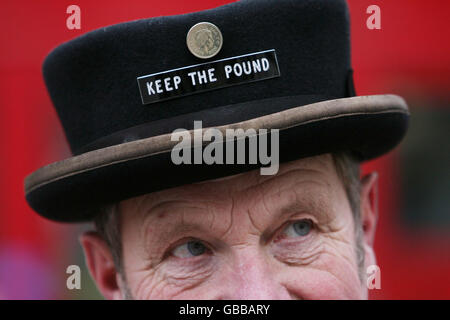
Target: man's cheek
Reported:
point(326, 272)
point(331, 276)
point(168, 284)
point(340, 257)
point(144, 285)
point(314, 284)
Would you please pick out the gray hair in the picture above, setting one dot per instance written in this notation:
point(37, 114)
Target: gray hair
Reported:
point(107, 224)
point(348, 169)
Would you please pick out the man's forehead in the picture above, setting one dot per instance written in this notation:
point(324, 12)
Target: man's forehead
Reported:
point(228, 208)
point(319, 167)
point(309, 186)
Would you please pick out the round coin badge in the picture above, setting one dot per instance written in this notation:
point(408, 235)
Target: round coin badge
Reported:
point(204, 40)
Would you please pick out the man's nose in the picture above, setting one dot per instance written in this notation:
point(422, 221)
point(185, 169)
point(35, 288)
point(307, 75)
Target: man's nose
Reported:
point(251, 276)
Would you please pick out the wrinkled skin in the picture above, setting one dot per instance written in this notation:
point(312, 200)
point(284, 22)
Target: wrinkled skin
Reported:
point(287, 236)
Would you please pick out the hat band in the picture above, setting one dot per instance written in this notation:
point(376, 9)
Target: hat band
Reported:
point(218, 116)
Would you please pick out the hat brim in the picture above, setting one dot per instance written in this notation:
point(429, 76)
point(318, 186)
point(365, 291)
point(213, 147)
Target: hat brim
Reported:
point(73, 189)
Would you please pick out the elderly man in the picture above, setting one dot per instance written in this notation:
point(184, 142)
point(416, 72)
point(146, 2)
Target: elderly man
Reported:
point(279, 76)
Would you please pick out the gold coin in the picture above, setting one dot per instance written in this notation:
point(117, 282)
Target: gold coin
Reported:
point(204, 40)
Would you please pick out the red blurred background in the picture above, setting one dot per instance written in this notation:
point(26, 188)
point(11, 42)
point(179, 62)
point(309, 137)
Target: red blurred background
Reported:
point(409, 56)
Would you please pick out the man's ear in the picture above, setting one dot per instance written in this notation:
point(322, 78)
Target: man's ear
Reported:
point(101, 265)
point(369, 214)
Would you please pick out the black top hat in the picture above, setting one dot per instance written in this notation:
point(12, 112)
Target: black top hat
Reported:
point(121, 90)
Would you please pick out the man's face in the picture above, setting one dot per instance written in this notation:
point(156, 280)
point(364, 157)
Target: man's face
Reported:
point(249, 236)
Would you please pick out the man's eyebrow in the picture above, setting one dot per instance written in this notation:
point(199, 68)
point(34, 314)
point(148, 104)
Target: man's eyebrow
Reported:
point(319, 207)
point(313, 206)
point(294, 199)
point(159, 214)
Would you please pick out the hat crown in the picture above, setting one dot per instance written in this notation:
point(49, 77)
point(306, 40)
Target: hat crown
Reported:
point(92, 79)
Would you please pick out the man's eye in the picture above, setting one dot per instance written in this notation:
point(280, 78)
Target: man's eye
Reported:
point(189, 249)
point(299, 228)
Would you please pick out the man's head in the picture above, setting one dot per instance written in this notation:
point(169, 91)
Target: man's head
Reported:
point(305, 233)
